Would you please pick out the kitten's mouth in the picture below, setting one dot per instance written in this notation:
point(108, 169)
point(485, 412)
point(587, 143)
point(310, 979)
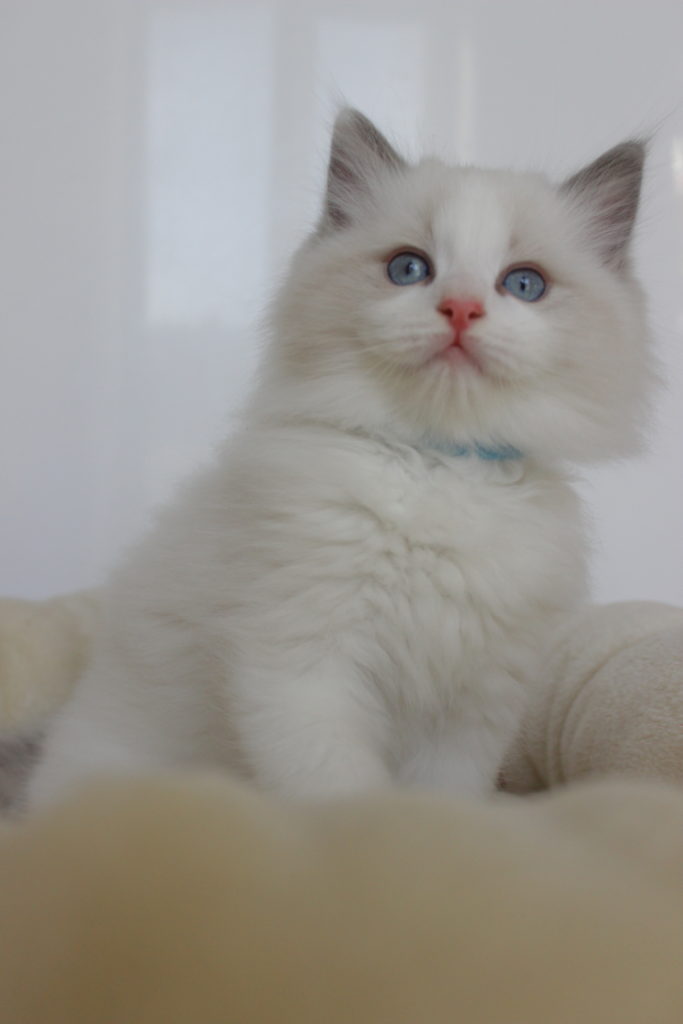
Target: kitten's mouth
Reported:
point(458, 351)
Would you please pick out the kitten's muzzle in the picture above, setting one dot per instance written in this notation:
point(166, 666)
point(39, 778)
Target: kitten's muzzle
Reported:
point(461, 314)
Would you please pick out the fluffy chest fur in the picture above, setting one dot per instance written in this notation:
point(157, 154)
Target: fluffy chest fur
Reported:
point(420, 569)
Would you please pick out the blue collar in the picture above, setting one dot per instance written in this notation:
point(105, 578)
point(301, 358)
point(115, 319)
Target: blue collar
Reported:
point(489, 453)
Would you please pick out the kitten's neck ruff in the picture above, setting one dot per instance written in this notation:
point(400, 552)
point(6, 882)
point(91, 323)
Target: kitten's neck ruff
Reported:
point(488, 453)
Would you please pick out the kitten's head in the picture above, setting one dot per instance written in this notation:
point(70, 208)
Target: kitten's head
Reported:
point(468, 305)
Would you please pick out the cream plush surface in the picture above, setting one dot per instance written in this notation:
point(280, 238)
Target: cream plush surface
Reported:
point(181, 900)
point(44, 646)
point(613, 703)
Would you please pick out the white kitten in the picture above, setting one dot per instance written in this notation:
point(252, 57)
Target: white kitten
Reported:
point(359, 589)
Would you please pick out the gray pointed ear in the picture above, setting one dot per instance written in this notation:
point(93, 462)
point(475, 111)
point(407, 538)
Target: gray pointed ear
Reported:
point(608, 190)
point(360, 155)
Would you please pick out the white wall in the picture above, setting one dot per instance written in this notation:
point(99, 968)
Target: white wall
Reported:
point(159, 158)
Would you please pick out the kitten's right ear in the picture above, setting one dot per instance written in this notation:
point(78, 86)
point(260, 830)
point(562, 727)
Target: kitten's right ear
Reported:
point(359, 155)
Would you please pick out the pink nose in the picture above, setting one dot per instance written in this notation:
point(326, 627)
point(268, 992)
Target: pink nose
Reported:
point(461, 312)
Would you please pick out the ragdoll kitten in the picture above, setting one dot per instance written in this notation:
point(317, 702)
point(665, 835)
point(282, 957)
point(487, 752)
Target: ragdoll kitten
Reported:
point(358, 590)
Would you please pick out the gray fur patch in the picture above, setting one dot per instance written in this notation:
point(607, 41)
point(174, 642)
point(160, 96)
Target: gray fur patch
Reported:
point(359, 151)
point(610, 188)
point(18, 757)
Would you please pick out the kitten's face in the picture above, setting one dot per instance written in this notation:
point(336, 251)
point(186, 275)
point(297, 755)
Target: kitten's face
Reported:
point(405, 310)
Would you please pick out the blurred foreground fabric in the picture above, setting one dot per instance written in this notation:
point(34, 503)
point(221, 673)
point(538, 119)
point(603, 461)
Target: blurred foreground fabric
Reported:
point(178, 900)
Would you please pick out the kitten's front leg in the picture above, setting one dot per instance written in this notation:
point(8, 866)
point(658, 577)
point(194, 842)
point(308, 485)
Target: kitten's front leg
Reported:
point(445, 764)
point(313, 733)
point(461, 754)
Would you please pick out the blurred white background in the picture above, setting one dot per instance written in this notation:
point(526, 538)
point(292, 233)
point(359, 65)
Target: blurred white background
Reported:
point(160, 158)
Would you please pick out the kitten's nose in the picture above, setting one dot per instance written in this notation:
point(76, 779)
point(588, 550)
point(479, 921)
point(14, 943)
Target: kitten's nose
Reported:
point(461, 312)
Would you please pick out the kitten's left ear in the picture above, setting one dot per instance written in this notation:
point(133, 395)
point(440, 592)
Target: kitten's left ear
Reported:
point(609, 190)
point(359, 156)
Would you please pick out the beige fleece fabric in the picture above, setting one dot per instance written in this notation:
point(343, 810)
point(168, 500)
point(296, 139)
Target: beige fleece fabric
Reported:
point(612, 702)
point(193, 900)
point(44, 646)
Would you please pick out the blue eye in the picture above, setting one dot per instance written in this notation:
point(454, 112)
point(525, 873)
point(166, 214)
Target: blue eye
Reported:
point(408, 268)
point(525, 283)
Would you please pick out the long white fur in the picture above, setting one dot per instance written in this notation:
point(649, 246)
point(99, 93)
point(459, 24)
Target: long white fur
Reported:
point(335, 605)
